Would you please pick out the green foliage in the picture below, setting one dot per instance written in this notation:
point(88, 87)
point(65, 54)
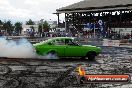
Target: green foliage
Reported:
point(40, 28)
point(32, 27)
point(1, 25)
point(8, 27)
point(30, 22)
point(1, 22)
point(18, 27)
point(44, 27)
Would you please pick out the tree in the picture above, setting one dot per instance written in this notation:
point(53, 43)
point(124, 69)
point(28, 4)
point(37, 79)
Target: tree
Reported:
point(18, 27)
point(30, 22)
point(1, 22)
point(43, 27)
point(46, 26)
point(8, 27)
point(1, 25)
point(32, 27)
point(40, 28)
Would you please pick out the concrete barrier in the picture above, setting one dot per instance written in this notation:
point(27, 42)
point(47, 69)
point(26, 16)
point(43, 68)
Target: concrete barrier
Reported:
point(117, 43)
point(107, 42)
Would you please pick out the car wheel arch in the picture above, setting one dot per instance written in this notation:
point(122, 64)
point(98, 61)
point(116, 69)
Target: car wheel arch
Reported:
point(52, 54)
point(91, 52)
point(91, 55)
point(53, 51)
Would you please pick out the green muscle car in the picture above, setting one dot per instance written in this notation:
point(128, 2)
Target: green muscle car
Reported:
point(66, 47)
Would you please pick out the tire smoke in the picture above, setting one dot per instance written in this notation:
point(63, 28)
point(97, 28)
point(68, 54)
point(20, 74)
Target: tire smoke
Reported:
point(16, 49)
point(19, 49)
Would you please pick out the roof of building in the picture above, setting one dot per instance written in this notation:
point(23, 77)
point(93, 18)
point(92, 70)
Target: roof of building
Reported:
point(97, 5)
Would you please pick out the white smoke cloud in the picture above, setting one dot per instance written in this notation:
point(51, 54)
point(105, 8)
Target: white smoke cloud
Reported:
point(16, 49)
point(20, 49)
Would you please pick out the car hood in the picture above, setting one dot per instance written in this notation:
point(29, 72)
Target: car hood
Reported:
point(37, 44)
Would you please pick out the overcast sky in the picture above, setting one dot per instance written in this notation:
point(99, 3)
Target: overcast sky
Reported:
point(22, 10)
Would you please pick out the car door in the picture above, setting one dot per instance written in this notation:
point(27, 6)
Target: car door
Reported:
point(58, 46)
point(72, 49)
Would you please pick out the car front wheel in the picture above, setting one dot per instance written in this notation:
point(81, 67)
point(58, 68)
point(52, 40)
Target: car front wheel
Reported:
point(91, 56)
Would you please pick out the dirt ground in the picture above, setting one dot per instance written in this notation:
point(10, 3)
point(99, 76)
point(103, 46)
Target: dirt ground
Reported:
point(28, 73)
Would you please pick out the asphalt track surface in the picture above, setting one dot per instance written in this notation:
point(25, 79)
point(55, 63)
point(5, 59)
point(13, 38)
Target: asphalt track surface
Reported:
point(59, 73)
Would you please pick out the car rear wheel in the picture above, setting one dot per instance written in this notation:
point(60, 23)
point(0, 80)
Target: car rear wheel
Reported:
point(91, 56)
point(52, 55)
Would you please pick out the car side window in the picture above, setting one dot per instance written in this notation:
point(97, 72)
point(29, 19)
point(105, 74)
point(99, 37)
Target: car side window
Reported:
point(59, 42)
point(70, 42)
